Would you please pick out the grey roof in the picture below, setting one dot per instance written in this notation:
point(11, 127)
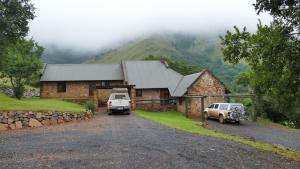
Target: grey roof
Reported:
point(151, 74)
point(184, 83)
point(82, 72)
point(142, 74)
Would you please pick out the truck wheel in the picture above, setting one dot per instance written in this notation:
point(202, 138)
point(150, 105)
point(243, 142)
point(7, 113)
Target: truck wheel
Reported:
point(238, 122)
point(221, 119)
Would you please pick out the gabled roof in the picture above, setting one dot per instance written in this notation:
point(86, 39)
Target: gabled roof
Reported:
point(142, 74)
point(151, 74)
point(81, 72)
point(184, 83)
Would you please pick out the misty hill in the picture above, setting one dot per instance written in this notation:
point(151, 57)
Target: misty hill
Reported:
point(201, 51)
point(55, 54)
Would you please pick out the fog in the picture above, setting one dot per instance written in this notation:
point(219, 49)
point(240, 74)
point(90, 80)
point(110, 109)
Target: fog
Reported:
point(95, 24)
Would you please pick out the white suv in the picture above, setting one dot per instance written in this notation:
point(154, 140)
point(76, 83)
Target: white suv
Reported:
point(232, 112)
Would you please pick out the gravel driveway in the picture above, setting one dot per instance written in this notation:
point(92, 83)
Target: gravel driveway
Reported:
point(125, 142)
point(277, 136)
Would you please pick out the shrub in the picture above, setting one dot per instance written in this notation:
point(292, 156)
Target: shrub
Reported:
point(89, 105)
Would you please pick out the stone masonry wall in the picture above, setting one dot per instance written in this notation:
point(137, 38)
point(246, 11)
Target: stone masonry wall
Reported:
point(207, 84)
point(180, 105)
point(22, 119)
point(155, 107)
point(149, 94)
point(74, 90)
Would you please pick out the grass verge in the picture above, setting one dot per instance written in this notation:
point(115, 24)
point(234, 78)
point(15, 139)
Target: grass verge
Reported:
point(7, 103)
point(269, 123)
point(178, 121)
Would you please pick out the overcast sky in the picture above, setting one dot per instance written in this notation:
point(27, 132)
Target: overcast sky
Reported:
point(94, 24)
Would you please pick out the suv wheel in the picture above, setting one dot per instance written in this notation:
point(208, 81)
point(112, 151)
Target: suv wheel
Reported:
point(221, 119)
point(205, 116)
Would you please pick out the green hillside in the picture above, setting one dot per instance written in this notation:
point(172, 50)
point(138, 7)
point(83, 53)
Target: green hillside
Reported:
point(196, 50)
point(156, 45)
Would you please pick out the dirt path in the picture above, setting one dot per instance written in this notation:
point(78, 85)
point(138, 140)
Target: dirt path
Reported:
point(125, 142)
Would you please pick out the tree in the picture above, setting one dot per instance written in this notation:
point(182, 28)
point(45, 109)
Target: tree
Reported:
point(273, 52)
point(177, 65)
point(22, 63)
point(14, 18)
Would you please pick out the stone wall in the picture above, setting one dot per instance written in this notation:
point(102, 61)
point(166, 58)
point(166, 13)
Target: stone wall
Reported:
point(151, 101)
point(102, 96)
point(155, 107)
point(79, 90)
point(180, 105)
point(206, 84)
point(22, 119)
point(149, 94)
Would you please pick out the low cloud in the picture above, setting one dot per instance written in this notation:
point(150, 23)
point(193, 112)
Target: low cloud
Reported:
point(93, 24)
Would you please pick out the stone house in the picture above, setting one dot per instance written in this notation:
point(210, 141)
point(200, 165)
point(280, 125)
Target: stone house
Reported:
point(151, 84)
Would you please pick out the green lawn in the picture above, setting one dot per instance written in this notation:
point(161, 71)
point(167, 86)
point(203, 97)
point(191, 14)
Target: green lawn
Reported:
point(7, 103)
point(178, 121)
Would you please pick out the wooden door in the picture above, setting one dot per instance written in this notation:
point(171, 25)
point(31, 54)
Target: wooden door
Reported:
point(164, 93)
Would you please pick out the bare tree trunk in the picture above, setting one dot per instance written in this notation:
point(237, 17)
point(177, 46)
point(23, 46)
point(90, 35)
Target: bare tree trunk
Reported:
point(17, 87)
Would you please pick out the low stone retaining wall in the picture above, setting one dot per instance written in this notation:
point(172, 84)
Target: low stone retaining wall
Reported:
point(155, 107)
point(21, 119)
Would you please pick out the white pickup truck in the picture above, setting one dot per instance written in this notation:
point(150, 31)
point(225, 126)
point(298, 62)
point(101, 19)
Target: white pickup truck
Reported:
point(119, 101)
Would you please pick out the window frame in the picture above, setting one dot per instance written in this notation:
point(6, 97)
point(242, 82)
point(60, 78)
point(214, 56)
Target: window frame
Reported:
point(104, 83)
point(61, 87)
point(224, 106)
point(139, 93)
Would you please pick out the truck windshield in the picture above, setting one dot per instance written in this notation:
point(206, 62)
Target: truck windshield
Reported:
point(119, 96)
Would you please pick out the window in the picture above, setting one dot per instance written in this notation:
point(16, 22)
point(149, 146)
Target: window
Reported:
point(104, 83)
point(61, 87)
point(164, 93)
point(216, 106)
point(120, 97)
point(211, 106)
point(139, 93)
point(223, 106)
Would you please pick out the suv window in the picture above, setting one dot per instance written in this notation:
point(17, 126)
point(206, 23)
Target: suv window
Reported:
point(223, 106)
point(119, 96)
point(211, 106)
point(236, 107)
point(216, 106)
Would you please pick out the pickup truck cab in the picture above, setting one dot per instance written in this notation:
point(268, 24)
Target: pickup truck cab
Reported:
point(119, 101)
point(232, 112)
